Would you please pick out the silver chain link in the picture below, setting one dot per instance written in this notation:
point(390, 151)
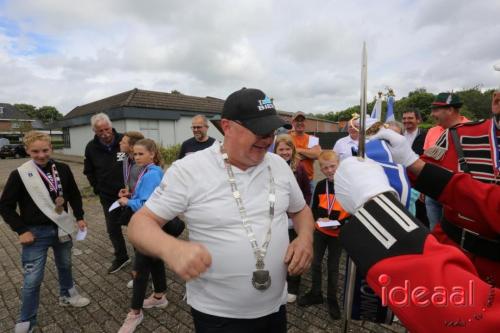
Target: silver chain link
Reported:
point(259, 252)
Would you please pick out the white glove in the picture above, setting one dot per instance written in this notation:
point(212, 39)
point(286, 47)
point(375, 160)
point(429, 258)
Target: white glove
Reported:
point(400, 148)
point(357, 181)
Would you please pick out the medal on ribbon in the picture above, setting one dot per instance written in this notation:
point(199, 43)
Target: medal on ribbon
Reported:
point(54, 182)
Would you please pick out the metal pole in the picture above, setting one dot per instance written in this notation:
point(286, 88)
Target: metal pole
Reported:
point(351, 278)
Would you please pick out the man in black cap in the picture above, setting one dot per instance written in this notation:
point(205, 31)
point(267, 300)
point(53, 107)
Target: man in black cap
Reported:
point(236, 207)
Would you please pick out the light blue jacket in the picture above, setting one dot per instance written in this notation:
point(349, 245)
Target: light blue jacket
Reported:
point(145, 187)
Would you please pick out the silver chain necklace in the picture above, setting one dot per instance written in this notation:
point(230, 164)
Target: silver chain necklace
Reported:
point(261, 278)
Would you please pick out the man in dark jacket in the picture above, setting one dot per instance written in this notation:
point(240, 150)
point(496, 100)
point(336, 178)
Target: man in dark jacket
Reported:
point(416, 138)
point(103, 167)
point(413, 134)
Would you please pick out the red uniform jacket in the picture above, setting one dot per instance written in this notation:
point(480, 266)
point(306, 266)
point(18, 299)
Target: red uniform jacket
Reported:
point(479, 143)
point(431, 287)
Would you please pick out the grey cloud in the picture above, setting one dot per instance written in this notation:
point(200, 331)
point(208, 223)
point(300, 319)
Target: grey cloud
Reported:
point(306, 55)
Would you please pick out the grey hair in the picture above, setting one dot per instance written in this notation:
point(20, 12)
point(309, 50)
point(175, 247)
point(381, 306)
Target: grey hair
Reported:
point(98, 117)
point(202, 117)
point(395, 123)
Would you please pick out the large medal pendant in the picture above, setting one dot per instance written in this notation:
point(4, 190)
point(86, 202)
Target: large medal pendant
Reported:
point(59, 205)
point(261, 279)
point(59, 201)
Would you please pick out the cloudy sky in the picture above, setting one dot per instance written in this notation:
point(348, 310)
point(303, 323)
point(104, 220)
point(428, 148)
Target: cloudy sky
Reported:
point(305, 54)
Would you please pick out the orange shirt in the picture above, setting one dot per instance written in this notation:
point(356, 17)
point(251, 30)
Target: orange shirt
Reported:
point(302, 141)
point(323, 203)
point(320, 205)
point(434, 133)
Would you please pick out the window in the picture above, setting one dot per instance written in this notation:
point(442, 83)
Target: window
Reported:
point(66, 138)
point(150, 129)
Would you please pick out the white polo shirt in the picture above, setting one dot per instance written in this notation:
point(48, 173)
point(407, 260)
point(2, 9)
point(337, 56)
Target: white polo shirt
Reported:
point(410, 137)
point(343, 147)
point(198, 187)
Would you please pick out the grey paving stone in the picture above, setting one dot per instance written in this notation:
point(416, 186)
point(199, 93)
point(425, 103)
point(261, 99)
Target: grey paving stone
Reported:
point(108, 293)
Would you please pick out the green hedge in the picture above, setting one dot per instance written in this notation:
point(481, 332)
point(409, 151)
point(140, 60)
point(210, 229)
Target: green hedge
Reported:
point(170, 153)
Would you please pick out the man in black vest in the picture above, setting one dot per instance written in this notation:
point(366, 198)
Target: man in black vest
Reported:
point(416, 138)
point(413, 134)
point(103, 167)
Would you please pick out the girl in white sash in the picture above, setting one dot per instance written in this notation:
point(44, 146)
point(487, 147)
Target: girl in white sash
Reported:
point(42, 188)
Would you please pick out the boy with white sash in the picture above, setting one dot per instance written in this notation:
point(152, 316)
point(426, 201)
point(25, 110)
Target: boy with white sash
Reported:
point(42, 188)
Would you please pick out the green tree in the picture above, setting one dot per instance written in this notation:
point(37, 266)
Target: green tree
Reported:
point(48, 114)
point(418, 99)
point(477, 105)
point(29, 109)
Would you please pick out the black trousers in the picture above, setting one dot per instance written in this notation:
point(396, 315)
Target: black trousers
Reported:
point(320, 244)
point(273, 323)
point(143, 266)
point(114, 229)
point(292, 281)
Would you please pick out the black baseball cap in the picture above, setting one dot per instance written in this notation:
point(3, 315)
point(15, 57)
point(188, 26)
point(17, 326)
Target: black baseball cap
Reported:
point(254, 110)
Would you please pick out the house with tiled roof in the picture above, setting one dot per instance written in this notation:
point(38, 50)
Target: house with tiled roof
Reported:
point(14, 123)
point(161, 116)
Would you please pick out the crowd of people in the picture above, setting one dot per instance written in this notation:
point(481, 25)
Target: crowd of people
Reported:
point(422, 207)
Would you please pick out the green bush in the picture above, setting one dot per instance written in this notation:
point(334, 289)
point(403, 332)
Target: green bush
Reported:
point(426, 126)
point(170, 153)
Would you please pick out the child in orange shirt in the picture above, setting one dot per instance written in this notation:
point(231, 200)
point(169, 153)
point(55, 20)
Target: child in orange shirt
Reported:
point(325, 208)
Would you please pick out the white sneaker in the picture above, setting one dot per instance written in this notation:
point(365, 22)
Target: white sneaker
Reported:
point(291, 298)
point(131, 322)
point(75, 299)
point(23, 327)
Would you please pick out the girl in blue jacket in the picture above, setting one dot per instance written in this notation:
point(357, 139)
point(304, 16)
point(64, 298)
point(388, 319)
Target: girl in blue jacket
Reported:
point(146, 155)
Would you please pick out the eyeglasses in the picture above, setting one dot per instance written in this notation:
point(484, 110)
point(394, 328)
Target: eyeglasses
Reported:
point(197, 127)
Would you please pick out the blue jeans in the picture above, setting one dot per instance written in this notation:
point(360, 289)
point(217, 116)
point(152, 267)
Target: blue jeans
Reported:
point(434, 211)
point(34, 257)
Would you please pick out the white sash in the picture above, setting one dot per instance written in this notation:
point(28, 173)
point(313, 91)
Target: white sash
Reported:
point(41, 197)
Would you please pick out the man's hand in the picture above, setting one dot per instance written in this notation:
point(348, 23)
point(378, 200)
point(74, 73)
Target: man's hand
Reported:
point(309, 153)
point(26, 238)
point(123, 201)
point(124, 193)
point(81, 224)
point(299, 255)
point(188, 260)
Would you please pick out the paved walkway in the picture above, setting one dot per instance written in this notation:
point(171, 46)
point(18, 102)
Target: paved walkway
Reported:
point(108, 293)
